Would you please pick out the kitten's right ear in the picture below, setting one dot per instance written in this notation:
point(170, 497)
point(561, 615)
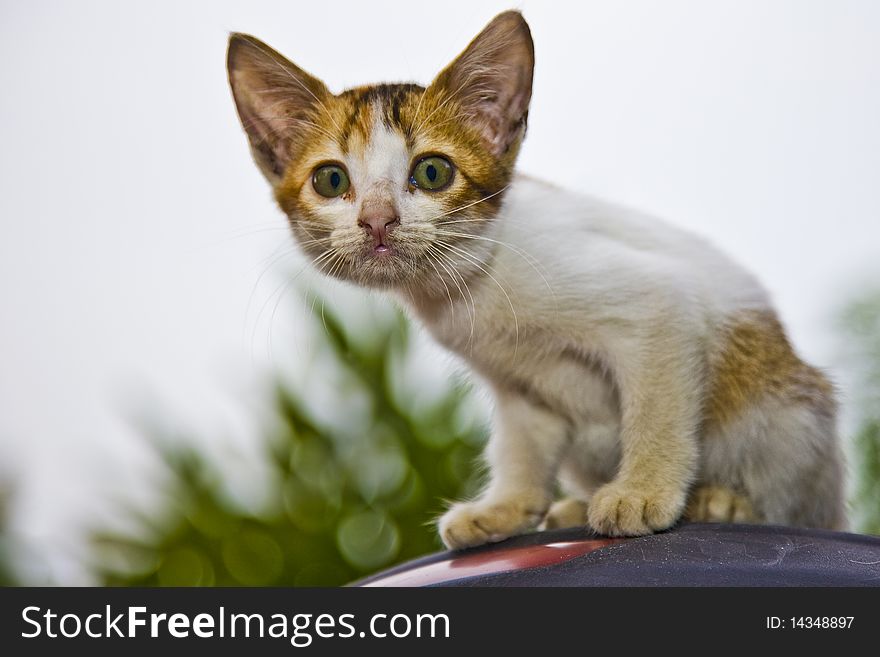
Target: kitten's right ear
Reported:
point(274, 98)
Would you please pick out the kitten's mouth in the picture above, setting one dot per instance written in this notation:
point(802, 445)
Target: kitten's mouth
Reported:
point(380, 250)
point(380, 266)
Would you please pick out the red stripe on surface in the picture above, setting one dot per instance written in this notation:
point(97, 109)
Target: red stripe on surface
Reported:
point(493, 561)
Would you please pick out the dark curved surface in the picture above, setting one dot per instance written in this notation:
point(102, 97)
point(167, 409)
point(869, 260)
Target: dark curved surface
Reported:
point(698, 554)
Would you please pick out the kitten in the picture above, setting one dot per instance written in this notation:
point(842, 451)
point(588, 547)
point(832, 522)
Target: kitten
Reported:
point(631, 363)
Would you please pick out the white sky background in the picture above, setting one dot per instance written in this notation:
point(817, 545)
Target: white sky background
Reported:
point(133, 226)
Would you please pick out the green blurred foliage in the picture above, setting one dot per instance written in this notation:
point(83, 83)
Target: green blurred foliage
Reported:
point(861, 324)
point(343, 501)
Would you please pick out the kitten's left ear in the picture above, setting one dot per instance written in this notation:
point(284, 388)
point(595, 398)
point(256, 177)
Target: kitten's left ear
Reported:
point(492, 80)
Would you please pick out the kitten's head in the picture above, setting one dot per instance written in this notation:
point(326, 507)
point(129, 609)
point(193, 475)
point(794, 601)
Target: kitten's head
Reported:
point(390, 185)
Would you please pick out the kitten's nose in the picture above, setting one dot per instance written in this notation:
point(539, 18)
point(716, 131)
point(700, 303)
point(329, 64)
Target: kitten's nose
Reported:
point(378, 225)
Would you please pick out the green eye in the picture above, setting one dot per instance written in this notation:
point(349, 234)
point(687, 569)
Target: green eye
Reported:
point(432, 173)
point(330, 180)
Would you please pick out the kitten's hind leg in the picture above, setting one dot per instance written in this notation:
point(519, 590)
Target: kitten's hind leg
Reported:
point(718, 504)
point(565, 513)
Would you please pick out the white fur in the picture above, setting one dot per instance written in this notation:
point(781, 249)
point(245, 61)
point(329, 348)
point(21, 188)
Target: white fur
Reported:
point(594, 336)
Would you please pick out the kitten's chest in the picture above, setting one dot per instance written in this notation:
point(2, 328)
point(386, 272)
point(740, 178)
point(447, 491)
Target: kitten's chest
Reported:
point(534, 362)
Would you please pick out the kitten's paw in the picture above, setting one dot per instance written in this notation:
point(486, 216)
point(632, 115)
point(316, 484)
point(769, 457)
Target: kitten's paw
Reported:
point(487, 521)
point(625, 509)
point(719, 504)
point(566, 513)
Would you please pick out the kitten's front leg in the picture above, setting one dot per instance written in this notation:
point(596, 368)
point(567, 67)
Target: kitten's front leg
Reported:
point(523, 454)
point(660, 403)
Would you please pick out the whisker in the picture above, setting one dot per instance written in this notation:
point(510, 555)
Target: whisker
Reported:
point(335, 264)
point(456, 276)
point(530, 259)
point(268, 265)
point(467, 256)
point(278, 294)
point(431, 260)
point(469, 205)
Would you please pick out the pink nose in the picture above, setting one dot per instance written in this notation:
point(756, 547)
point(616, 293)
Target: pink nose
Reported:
point(379, 225)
